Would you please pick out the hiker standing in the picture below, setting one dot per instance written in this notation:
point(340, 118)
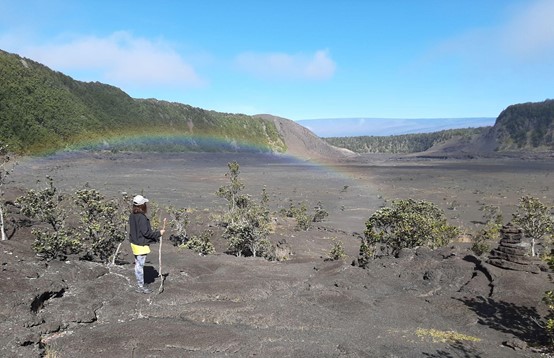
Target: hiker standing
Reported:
point(141, 236)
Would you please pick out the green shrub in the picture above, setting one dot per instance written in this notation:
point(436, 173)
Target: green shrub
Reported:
point(247, 230)
point(200, 244)
point(55, 244)
point(154, 213)
point(102, 224)
point(480, 246)
point(231, 191)
point(407, 224)
point(300, 213)
point(367, 252)
point(491, 231)
point(247, 223)
point(178, 222)
point(337, 251)
point(55, 240)
point(5, 170)
point(534, 218)
point(319, 213)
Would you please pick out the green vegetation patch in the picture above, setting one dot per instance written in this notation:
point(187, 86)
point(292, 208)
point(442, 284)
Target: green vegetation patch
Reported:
point(406, 143)
point(42, 111)
point(527, 126)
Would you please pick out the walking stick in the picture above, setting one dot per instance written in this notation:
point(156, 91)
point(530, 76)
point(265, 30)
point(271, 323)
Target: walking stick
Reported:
point(161, 289)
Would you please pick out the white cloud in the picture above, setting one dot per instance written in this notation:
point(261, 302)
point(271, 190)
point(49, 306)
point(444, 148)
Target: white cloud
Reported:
point(529, 34)
point(317, 66)
point(525, 38)
point(120, 59)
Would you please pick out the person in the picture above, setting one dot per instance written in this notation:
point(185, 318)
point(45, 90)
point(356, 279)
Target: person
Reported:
point(141, 236)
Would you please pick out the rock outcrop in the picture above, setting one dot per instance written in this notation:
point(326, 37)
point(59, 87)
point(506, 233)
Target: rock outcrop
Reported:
point(512, 252)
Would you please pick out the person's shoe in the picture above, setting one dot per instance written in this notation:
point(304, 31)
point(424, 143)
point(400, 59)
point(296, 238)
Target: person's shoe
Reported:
point(143, 289)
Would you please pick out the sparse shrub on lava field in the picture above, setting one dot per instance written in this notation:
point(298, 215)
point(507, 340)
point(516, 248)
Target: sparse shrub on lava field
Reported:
point(406, 224)
point(53, 238)
point(247, 223)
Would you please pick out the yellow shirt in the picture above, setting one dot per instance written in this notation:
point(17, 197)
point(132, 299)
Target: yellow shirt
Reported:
point(140, 250)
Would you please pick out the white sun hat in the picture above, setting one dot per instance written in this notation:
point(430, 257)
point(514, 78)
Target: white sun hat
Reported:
point(139, 200)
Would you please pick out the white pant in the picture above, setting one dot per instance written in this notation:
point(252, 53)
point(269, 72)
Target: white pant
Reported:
point(139, 269)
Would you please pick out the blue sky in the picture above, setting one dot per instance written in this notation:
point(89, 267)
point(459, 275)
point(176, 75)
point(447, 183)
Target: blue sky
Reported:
point(300, 59)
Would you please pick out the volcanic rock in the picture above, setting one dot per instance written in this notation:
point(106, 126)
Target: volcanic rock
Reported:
point(512, 252)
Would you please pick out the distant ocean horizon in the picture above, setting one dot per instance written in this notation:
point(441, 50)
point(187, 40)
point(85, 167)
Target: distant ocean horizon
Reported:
point(350, 127)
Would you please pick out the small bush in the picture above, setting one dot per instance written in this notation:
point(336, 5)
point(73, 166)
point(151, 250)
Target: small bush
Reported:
point(55, 245)
point(295, 210)
point(491, 231)
point(535, 219)
point(492, 214)
point(102, 224)
point(319, 213)
point(303, 219)
point(231, 191)
point(407, 224)
point(481, 242)
point(178, 222)
point(200, 244)
point(55, 240)
point(247, 223)
point(337, 251)
point(300, 214)
point(480, 246)
point(247, 230)
point(5, 170)
point(367, 252)
point(154, 213)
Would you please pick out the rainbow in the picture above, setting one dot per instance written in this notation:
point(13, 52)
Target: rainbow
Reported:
point(168, 142)
point(182, 143)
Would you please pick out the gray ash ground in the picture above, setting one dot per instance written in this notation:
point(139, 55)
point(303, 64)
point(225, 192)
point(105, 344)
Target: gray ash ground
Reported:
point(221, 305)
